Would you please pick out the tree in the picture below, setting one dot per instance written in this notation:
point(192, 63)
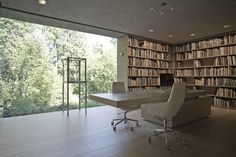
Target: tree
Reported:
point(30, 66)
point(101, 70)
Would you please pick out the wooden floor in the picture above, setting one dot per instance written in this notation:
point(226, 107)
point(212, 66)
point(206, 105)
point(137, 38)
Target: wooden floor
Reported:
point(53, 134)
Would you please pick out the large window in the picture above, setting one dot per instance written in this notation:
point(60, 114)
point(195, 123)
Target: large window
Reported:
point(31, 67)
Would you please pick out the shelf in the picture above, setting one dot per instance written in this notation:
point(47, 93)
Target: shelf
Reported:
point(182, 60)
point(212, 95)
point(167, 60)
point(152, 85)
point(206, 66)
point(231, 108)
point(144, 76)
point(216, 86)
point(218, 46)
point(183, 76)
point(137, 47)
point(149, 67)
point(234, 76)
point(210, 57)
point(231, 76)
point(212, 66)
point(200, 58)
point(184, 68)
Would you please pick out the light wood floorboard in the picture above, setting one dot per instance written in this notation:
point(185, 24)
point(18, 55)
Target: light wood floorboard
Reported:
point(56, 135)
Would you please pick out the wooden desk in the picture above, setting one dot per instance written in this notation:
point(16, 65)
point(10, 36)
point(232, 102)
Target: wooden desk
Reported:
point(120, 100)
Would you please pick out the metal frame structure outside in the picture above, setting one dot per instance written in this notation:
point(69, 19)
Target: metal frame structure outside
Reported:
point(80, 61)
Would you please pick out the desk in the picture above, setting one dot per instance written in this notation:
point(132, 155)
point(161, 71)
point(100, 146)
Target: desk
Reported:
point(134, 100)
point(121, 100)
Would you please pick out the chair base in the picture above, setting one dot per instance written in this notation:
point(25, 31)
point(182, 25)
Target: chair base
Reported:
point(124, 119)
point(166, 132)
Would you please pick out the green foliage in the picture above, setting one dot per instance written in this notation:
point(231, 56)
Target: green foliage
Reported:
point(101, 71)
point(31, 66)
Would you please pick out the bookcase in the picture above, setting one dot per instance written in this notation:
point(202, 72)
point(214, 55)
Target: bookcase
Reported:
point(141, 61)
point(209, 64)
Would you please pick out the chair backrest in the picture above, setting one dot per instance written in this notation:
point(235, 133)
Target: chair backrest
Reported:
point(118, 87)
point(176, 99)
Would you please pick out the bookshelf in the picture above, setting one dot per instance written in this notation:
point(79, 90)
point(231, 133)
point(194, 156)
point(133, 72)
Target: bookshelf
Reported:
point(209, 64)
point(141, 61)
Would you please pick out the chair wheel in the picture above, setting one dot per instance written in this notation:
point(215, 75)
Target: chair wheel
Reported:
point(125, 121)
point(168, 147)
point(131, 129)
point(185, 142)
point(114, 128)
point(112, 123)
point(149, 140)
point(137, 124)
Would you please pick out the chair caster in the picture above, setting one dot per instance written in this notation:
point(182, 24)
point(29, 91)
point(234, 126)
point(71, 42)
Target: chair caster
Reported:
point(185, 142)
point(149, 140)
point(167, 147)
point(132, 129)
point(112, 123)
point(114, 128)
point(137, 124)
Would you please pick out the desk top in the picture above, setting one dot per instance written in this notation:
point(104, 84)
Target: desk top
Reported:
point(138, 98)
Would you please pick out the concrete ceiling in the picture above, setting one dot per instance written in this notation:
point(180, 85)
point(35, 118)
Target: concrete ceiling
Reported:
point(118, 17)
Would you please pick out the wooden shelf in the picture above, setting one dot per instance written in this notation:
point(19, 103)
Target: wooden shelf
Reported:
point(231, 108)
point(207, 56)
point(166, 60)
point(212, 66)
point(218, 46)
point(216, 86)
point(205, 66)
point(210, 57)
point(144, 76)
point(200, 58)
point(150, 85)
point(215, 76)
point(183, 76)
point(137, 47)
point(184, 68)
point(212, 95)
point(149, 67)
point(182, 60)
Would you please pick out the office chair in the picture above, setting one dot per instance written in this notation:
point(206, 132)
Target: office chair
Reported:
point(165, 110)
point(119, 87)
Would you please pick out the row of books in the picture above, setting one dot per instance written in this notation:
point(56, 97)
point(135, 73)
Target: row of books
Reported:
point(148, 54)
point(185, 72)
point(142, 88)
point(229, 60)
point(148, 63)
point(148, 45)
point(224, 103)
point(225, 92)
point(179, 80)
point(181, 56)
point(146, 72)
point(196, 63)
point(207, 53)
point(214, 71)
point(142, 62)
point(227, 39)
point(231, 50)
point(142, 72)
point(216, 82)
point(143, 81)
